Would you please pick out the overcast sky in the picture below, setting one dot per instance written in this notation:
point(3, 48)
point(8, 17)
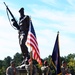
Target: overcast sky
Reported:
point(48, 17)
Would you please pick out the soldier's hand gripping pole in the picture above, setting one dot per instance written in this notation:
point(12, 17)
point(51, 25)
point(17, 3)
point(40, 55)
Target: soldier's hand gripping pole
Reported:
point(13, 18)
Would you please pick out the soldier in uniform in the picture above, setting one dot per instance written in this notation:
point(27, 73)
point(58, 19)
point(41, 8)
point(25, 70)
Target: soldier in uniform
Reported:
point(23, 28)
point(30, 67)
point(64, 68)
point(11, 70)
point(45, 69)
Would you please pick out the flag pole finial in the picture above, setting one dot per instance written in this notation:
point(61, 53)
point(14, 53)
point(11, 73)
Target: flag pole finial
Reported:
point(58, 32)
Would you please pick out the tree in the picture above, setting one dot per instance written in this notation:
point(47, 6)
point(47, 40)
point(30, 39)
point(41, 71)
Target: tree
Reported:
point(6, 62)
point(1, 64)
point(18, 59)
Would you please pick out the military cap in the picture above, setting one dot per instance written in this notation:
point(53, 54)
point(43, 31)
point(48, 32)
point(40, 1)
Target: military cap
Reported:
point(22, 9)
point(63, 62)
point(12, 62)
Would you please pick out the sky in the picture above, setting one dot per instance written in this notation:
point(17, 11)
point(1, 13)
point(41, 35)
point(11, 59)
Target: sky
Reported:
point(48, 17)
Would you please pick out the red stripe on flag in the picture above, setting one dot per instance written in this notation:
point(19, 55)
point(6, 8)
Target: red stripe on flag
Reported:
point(32, 41)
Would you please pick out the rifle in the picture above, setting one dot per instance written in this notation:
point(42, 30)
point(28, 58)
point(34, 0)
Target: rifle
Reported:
point(13, 18)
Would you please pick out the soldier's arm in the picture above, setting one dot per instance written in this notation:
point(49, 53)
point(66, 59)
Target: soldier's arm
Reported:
point(15, 24)
point(7, 71)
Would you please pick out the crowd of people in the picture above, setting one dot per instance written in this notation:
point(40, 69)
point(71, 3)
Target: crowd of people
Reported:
point(31, 68)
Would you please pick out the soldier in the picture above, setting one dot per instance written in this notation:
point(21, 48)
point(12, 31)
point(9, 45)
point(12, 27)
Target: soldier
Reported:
point(45, 69)
point(11, 70)
point(65, 70)
point(23, 28)
point(31, 68)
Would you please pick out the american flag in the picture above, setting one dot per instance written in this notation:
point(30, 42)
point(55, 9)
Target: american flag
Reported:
point(32, 42)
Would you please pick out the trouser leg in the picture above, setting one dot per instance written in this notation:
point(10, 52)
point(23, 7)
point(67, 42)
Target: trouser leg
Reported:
point(24, 48)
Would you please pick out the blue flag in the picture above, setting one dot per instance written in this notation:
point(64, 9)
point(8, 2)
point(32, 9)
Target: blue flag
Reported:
point(56, 56)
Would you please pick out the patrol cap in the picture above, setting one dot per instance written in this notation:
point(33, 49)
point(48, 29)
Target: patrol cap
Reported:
point(12, 62)
point(22, 9)
point(63, 62)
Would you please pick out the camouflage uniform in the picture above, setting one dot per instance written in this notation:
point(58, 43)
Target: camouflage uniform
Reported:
point(65, 70)
point(45, 69)
point(11, 70)
point(31, 68)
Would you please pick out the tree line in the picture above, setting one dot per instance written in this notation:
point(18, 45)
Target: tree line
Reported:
point(70, 59)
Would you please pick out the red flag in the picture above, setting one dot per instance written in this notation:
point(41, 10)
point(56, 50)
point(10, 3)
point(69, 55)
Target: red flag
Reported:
point(32, 41)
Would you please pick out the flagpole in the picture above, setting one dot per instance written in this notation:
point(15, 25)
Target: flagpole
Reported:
point(32, 41)
point(30, 61)
point(56, 56)
point(30, 52)
point(48, 66)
